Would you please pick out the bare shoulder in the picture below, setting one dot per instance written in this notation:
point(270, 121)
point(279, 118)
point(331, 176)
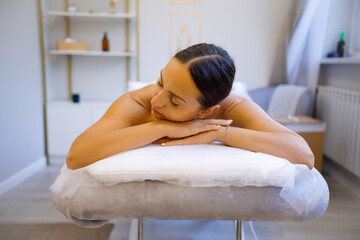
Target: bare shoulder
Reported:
point(125, 111)
point(133, 105)
point(246, 113)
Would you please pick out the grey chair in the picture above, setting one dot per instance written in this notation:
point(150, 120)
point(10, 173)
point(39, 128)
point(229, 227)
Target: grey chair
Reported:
point(262, 96)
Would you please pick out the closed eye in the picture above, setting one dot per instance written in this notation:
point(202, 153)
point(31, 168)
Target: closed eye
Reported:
point(170, 97)
point(173, 102)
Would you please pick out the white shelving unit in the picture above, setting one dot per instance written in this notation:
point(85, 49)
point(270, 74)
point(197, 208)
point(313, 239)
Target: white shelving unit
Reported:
point(342, 60)
point(92, 15)
point(94, 53)
point(65, 120)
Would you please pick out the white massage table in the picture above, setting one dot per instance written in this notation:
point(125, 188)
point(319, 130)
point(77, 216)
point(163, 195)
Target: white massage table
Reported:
point(194, 182)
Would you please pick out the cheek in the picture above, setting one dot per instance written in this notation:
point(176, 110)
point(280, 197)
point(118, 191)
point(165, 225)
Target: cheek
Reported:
point(180, 115)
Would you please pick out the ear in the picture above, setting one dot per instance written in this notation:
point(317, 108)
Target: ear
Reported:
point(207, 112)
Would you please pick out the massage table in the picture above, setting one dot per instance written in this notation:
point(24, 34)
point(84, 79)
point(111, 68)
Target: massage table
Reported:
point(191, 182)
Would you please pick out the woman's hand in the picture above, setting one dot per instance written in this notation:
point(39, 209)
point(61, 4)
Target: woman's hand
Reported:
point(200, 138)
point(193, 127)
point(164, 140)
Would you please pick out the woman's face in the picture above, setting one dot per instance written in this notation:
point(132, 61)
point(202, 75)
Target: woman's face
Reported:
point(175, 94)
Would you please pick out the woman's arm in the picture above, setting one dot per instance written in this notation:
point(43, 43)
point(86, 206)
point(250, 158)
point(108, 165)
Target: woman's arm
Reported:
point(282, 144)
point(252, 129)
point(115, 133)
point(97, 145)
point(258, 132)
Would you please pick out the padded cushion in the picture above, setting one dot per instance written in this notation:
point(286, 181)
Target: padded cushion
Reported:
point(209, 181)
point(202, 165)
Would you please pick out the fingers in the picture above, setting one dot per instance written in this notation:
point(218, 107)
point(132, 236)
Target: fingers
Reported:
point(164, 140)
point(221, 122)
point(201, 138)
point(208, 125)
point(174, 143)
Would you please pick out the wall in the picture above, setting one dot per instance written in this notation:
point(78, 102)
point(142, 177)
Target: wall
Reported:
point(253, 32)
point(21, 121)
point(344, 75)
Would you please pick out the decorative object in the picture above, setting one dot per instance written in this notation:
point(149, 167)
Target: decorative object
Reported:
point(185, 30)
point(105, 43)
point(112, 6)
point(72, 8)
point(76, 97)
point(70, 44)
point(341, 45)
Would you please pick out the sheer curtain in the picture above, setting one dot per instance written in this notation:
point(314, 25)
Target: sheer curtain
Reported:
point(304, 48)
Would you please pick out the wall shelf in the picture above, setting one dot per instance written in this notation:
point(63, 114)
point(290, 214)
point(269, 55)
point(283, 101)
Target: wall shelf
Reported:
point(94, 53)
point(92, 15)
point(64, 119)
point(64, 103)
point(343, 60)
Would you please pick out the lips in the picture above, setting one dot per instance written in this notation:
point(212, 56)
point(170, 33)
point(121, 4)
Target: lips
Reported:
point(156, 111)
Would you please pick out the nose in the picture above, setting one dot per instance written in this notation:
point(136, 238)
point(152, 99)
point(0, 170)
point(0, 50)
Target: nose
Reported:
point(159, 99)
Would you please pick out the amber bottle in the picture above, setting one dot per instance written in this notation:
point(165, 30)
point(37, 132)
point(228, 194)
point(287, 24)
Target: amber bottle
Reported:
point(105, 43)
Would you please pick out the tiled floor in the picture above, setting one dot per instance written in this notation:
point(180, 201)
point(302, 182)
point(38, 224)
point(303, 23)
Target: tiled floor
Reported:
point(30, 202)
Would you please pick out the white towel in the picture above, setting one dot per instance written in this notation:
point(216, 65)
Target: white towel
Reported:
point(285, 100)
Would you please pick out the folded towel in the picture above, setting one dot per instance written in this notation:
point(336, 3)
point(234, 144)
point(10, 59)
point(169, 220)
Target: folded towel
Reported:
point(285, 100)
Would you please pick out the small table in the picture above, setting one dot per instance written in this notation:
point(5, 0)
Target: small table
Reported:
point(311, 129)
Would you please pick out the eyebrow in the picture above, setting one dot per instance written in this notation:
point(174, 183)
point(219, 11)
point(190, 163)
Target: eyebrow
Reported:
point(170, 91)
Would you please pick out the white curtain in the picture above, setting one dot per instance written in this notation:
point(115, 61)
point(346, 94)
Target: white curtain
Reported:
point(304, 50)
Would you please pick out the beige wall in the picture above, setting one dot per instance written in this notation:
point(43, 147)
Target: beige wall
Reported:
point(253, 32)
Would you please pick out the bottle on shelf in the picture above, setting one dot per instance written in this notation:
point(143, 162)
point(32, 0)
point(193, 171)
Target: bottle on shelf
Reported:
point(340, 45)
point(105, 43)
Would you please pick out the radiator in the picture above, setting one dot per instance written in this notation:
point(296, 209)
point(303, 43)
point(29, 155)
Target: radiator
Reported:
point(340, 109)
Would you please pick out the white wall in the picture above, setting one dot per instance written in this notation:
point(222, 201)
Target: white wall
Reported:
point(21, 121)
point(343, 76)
point(253, 32)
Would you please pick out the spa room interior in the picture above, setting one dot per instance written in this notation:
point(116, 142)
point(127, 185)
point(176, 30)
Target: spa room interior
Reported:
point(65, 64)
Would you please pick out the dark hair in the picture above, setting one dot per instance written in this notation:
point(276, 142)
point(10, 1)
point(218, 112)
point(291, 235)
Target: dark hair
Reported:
point(212, 69)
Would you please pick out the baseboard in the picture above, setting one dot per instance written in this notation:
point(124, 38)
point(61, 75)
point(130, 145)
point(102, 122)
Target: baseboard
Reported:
point(23, 174)
point(344, 176)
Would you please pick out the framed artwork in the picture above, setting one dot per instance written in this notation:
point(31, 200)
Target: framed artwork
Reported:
point(354, 45)
point(190, 2)
point(185, 30)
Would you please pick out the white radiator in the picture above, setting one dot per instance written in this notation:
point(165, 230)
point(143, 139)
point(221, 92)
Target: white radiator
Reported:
point(340, 109)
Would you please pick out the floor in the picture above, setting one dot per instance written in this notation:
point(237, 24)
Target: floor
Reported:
point(30, 202)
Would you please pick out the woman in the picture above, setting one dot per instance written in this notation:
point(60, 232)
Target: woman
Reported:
point(189, 104)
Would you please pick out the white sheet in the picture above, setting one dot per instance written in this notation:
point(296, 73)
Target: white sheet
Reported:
point(206, 165)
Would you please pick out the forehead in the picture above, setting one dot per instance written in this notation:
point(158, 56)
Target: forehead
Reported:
point(177, 79)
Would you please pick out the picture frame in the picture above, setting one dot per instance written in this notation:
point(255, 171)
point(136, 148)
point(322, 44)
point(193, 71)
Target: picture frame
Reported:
point(185, 30)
